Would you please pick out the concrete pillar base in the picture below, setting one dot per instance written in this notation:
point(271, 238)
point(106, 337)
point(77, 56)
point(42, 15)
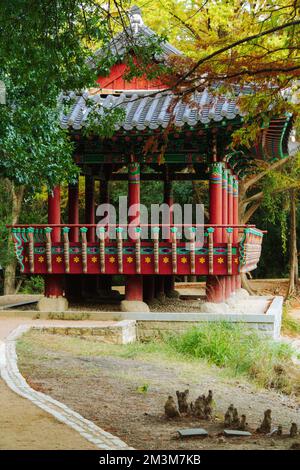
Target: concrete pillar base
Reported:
point(53, 304)
point(134, 306)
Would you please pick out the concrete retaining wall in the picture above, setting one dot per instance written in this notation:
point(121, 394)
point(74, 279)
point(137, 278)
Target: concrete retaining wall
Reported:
point(154, 325)
point(144, 325)
point(122, 332)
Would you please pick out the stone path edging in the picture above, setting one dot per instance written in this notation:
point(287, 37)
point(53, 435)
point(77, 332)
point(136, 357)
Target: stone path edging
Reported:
point(13, 378)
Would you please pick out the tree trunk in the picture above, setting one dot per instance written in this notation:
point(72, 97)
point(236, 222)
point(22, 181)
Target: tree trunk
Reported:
point(246, 284)
point(244, 216)
point(17, 194)
point(293, 283)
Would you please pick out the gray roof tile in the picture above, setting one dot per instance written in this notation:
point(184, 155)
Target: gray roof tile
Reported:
point(146, 111)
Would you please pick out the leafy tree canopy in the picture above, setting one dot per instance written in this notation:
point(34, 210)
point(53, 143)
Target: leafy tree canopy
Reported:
point(45, 47)
point(237, 44)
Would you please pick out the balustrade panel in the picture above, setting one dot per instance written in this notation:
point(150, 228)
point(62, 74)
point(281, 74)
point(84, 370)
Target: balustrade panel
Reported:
point(37, 253)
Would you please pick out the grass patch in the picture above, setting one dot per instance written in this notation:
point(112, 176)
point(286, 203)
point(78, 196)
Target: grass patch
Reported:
point(229, 347)
point(239, 350)
point(35, 341)
point(290, 326)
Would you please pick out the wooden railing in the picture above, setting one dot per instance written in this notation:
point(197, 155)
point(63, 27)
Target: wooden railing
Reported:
point(37, 253)
point(250, 249)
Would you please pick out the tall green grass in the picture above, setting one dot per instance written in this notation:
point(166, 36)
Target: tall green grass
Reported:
point(239, 350)
point(290, 325)
point(229, 346)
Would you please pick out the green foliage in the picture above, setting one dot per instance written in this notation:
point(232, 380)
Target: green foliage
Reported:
point(275, 187)
point(42, 54)
point(102, 121)
point(33, 211)
point(6, 252)
point(32, 285)
point(143, 388)
point(143, 52)
point(34, 148)
point(274, 208)
point(233, 347)
point(45, 52)
point(290, 325)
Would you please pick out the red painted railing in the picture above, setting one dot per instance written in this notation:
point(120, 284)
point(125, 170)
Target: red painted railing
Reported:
point(38, 253)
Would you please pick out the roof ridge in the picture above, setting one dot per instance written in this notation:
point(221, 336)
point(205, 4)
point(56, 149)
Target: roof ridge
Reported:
point(135, 31)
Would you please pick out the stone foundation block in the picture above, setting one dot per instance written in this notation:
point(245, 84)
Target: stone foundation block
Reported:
point(52, 304)
point(134, 306)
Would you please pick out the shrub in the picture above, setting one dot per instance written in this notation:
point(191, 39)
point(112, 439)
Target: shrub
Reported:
point(290, 325)
point(32, 285)
point(240, 350)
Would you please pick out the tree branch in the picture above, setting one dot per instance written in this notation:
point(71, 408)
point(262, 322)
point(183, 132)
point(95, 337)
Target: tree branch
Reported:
point(233, 45)
point(259, 176)
point(255, 197)
point(260, 195)
point(250, 212)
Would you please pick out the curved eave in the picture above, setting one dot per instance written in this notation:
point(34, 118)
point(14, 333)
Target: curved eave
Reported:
point(154, 111)
point(273, 140)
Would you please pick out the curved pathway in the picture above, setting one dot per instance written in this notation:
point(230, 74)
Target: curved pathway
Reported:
point(34, 420)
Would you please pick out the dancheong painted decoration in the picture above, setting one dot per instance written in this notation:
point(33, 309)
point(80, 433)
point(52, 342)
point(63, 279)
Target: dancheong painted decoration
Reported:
point(81, 255)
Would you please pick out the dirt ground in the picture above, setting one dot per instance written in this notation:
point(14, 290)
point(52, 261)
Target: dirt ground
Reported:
point(125, 393)
point(191, 294)
point(23, 426)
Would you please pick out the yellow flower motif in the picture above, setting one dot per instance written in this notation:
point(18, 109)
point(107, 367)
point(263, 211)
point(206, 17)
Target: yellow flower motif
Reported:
point(147, 259)
point(236, 260)
point(94, 259)
point(201, 260)
point(41, 259)
point(183, 260)
point(76, 259)
point(165, 259)
point(220, 260)
point(59, 259)
point(129, 259)
point(112, 259)
point(26, 259)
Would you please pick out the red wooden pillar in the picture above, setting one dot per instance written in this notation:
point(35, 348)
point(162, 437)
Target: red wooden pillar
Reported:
point(215, 284)
point(235, 207)
point(73, 211)
point(90, 206)
point(223, 279)
point(73, 281)
point(54, 283)
point(230, 217)
point(105, 280)
point(227, 280)
point(54, 213)
point(237, 277)
point(215, 199)
point(225, 202)
point(134, 283)
point(168, 281)
point(90, 280)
